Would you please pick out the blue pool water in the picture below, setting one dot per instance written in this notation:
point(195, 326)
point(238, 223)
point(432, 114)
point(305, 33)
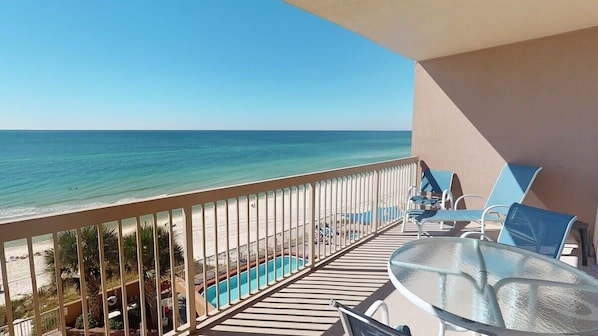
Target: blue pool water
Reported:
point(278, 267)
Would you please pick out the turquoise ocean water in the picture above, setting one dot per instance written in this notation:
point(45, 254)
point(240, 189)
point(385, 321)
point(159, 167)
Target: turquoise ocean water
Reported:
point(43, 172)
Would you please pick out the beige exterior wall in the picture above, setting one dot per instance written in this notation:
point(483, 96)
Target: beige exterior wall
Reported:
point(534, 102)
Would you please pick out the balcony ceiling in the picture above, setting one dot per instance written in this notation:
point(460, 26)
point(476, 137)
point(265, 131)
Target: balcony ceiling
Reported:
point(425, 29)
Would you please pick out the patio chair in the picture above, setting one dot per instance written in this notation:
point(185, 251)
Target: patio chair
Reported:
point(511, 186)
point(534, 229)
point(362, 324)
point(434, 193)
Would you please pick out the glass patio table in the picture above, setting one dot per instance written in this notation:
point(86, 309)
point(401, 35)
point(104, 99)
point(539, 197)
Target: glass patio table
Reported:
point(493, 288)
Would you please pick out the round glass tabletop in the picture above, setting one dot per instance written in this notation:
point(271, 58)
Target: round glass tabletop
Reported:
point(486, 286)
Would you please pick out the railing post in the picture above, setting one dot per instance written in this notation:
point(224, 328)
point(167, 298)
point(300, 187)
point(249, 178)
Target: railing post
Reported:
point(141, 277)
point(190, 268)
point(83, 282)
point(376, 199)
point(102, 260)
point(123, 282)
point(157, 272)
point(34, 293)
point(59, 288)
point(312, 226)
point(173, 279)
point(5, 285)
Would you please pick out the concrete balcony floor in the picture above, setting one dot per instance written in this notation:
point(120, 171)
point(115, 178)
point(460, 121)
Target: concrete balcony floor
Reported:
point(357, 278)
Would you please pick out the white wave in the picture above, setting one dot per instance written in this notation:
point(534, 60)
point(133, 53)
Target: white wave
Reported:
point(14, 213)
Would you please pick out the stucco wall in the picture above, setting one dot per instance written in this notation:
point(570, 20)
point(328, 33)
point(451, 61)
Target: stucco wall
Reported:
point(534, 102)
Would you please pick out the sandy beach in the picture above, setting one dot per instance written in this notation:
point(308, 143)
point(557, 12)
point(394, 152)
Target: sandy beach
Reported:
point(18, 268)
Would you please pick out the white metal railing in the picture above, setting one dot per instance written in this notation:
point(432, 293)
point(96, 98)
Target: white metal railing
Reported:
point(270, 229)
point(26, 327)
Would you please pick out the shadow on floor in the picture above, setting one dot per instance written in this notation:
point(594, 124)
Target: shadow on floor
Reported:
point(356, 278)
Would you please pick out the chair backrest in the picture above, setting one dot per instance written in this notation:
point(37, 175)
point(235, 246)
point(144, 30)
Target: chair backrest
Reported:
point(534, 229)
point(359, 324)
point(512, 184)
point(436, 181)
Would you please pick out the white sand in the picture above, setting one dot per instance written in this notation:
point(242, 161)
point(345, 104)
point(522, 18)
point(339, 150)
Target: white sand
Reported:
point(18, 268)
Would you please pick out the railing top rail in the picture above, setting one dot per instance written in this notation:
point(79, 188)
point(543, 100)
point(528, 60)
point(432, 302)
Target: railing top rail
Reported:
point(15, 229)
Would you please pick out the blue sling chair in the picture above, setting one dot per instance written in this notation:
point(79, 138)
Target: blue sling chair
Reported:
point(534, 229)
point(363, 324)
point(434, 193)
point(511, 186)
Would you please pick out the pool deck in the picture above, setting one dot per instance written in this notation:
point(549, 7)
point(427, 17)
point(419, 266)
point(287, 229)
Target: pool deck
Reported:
point(356, 277)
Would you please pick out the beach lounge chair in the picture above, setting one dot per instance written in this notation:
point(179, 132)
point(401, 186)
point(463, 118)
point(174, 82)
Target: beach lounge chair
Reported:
point(384, 214)
point(534, 229)
point(324, 234)
point(511, 186)
point(358, 324)
point(435, 192)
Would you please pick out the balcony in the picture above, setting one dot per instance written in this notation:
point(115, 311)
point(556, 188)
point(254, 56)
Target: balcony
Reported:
point(217, 235)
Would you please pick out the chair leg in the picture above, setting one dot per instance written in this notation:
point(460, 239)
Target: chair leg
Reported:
point(583, 237)
point(442, 207)
point(441, 328)
point(405, 216)
point(444, 326)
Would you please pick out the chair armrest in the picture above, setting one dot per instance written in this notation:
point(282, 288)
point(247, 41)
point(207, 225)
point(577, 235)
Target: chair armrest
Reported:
point(447, 195)
point(378, 305)
point(472, 233)
point(463, 197)
point(412, 191)
point(490, 209)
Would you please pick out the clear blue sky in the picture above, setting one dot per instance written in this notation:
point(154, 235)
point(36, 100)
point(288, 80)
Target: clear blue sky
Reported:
point(201, 64)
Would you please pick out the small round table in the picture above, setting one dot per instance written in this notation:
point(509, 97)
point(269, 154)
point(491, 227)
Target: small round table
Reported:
point(493, 288)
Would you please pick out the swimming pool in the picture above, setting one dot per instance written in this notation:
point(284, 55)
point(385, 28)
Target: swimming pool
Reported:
point(278, 267)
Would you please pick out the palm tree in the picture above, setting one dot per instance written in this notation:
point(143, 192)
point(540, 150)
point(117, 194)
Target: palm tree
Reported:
point(69, 261)
point(148, 261)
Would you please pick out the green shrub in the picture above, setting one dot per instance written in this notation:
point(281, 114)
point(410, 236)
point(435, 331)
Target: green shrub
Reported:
point(22, 307)
point(117, 323)
point(93, 323)
point(2, 315)
point(134, 316)
point(49, 322)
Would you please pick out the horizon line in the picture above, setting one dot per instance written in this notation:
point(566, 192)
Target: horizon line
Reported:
point(209, 130)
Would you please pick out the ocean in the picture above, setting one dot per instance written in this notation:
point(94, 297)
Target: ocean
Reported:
point(44, 172)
